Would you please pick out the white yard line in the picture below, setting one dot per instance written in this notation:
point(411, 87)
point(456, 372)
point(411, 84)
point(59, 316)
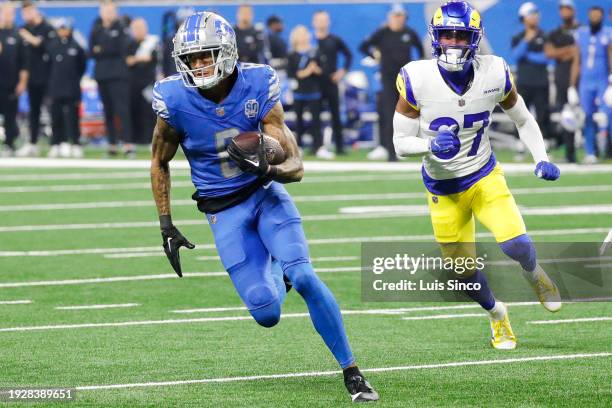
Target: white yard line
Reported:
point(15, 302)
point(296, 198)
point(238, 318)
point(64, 282)
point(333, 166)
point(445, 316)
point(501, 361)
point(420, 210)
point(110, 306)
point(210, 310)
point(321, 241)
point(579, 320)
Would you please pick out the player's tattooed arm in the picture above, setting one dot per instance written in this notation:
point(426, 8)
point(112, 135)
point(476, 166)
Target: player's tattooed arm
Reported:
point(165, 144)
point(292, 169)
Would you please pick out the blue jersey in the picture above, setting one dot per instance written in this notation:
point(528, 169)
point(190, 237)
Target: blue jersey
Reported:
point(594, 64)
point(206, 127)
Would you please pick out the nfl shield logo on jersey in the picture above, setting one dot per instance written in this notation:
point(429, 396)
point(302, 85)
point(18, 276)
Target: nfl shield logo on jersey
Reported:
point(434, 199)
point(251, 108)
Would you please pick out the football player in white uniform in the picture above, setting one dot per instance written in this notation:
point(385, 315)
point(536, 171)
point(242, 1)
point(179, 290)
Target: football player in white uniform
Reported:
point(443, 113)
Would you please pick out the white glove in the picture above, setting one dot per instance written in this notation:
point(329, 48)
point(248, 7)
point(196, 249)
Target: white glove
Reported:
point(572, 96)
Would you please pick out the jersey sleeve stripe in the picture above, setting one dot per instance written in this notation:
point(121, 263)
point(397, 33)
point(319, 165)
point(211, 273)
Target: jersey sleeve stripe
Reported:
point(409, 92)
point(509, 82)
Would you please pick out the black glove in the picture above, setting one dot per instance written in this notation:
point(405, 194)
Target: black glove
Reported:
point(173, 240)
point(253, 163)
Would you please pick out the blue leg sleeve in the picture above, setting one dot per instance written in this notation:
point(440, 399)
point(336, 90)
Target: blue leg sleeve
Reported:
point(484, 297)
point(522, 250)
point(324, 311)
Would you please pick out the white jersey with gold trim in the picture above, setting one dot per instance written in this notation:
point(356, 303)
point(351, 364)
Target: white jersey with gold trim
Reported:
point(421, 84)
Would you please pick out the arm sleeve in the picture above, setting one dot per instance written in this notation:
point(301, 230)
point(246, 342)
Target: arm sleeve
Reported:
point(348, 56)
point(371, 41)
point(418, 45)
point(529, 131)
point(405, 136)
point(537, 57)
point(519, 50)
point(270, 95)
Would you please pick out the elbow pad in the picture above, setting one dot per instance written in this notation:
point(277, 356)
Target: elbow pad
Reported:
point(405, 136)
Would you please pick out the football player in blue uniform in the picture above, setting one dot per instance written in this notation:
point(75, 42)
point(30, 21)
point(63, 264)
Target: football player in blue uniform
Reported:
point(592, 69)
point(256, 226)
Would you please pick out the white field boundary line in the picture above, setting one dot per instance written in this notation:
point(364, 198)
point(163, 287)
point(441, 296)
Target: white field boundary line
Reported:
point(308, 165)
point(15, 302)
point(87, 307)
point(320, 241)
point(579, 320)
point(346, 213)
point(515, 360)
point(216, 319)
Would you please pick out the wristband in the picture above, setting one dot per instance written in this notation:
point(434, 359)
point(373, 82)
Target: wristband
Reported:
point(165, 221)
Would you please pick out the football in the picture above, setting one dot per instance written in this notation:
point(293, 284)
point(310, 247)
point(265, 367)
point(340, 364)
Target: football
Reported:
point(249, 142)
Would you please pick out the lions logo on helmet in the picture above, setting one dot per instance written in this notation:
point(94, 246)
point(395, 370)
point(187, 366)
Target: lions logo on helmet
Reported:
point(205, 32)
point(462, 21)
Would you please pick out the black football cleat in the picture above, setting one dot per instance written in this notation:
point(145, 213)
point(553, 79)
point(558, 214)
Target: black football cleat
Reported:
point(288, 284)
point(358, 387)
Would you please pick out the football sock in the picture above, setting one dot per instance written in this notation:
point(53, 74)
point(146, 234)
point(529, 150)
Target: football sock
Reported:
point(522, 250)
point(484, 297)
point(324, 311)
point(498, 312)
point(277, 275)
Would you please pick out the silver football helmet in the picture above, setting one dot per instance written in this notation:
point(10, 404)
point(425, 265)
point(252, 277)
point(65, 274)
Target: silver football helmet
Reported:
point(200, 33)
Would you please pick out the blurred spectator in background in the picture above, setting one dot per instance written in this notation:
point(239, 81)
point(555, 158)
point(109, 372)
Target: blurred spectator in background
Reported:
point(592, 65)
point(528, 52)
point(13, 75)
point(330, 46)
point(67, 61)
point(561, 47)
point(108, 42)
point(171, 21)
point(35, 33)
point(303, 66)
point(142, 63)
point(275, 45)
point(392, 46)
point(249, 39)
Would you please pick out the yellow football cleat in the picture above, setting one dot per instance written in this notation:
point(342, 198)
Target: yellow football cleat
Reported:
point(546, 290)
point(502, 336)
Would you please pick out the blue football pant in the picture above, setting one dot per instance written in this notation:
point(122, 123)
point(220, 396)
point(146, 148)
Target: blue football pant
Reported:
point(267, 225)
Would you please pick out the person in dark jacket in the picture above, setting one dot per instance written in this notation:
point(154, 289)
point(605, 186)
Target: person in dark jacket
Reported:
point(276, 47)
point(67, 61)
point(330, 46)
point(13, 75)
point(109, 41)
point(392, 45)
point(249, 39)
point(532, 74)
point(142, 63)
point(35, 33)
point(303, 66)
